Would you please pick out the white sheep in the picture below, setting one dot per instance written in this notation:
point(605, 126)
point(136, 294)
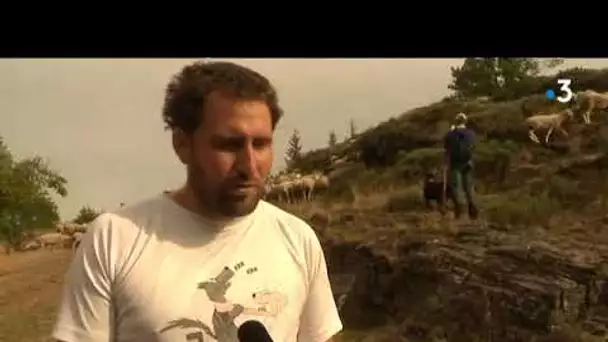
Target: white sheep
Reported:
point(280, 191)
point(590, 100)
point(550, 122)
point(283, 187)
point(53, 240)
point(31, 245)
point(310, 183)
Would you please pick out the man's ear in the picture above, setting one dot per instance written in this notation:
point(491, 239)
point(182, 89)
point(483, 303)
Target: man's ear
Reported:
point(182, 145)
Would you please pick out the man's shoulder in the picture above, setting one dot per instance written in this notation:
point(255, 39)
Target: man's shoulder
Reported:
point(128, 219)
point(297, 235)
point(142, 209)
point(288, 224)
point(469, 131)
point(286, 218)
point(462, 131)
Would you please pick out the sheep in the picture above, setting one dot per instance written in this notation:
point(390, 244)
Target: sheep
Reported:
point(31, 245)
point(80, 228)
point(69, 228)
point(53, 240)
point(302, 188)
point(283, 187)
point(279, 192)
point(306, 186)
point(321, 182)
point(590, 100)
point(288, 186)
point(292, 188)
point(59, 228)
point(482, 99)
point(550, 122)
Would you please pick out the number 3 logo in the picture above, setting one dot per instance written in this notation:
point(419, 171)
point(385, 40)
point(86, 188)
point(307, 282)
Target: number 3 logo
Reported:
point(565, 87)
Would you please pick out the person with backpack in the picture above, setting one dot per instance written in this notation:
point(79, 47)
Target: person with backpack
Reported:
point(459, 144)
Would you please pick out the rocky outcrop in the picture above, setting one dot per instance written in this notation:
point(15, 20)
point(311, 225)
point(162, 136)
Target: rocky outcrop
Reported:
point(479, 284)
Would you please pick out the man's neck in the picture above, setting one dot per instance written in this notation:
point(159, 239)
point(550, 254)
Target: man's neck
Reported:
point(186, 198)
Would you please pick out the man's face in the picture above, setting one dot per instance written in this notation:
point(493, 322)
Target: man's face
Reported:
point(230, 155)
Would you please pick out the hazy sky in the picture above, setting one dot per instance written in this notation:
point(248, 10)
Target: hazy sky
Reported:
point(99, 121)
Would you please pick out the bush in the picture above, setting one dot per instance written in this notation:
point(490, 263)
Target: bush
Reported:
point(538, 202)
point(521, 209)
point(493, 158)
point(566, 192)
point(416, 163)
point(408, 200)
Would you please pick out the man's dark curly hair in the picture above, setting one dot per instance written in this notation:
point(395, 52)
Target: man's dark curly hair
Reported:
point(187, 92)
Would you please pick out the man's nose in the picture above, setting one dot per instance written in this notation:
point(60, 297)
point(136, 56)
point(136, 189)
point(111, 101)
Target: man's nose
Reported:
point(247, 162)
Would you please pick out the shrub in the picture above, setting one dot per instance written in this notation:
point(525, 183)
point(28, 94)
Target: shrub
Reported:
point(407, 200)
point(417, 162)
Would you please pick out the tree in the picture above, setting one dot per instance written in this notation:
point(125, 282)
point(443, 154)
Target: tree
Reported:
point(333, 139)
point(352, 128)
point(86, 215)
point(25, 196)
point(498, 77)
point(552, 63)
point(293, 154)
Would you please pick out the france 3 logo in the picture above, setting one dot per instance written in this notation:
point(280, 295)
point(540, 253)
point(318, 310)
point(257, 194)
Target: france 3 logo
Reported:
point(564, 87)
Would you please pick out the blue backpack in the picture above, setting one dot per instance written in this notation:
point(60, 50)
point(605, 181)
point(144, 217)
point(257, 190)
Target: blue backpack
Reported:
point(461, 148)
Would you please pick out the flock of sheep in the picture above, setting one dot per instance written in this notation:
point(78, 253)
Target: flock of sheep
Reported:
point(584, 103)
point(295, 187)
point(66, 235)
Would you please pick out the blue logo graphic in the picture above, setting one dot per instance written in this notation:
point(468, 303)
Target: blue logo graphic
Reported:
point(550, 94)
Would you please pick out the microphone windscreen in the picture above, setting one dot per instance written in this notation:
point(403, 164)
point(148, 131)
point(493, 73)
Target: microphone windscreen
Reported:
point(253, 331)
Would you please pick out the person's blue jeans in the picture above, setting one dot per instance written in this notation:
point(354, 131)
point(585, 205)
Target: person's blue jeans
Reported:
point(461, 180)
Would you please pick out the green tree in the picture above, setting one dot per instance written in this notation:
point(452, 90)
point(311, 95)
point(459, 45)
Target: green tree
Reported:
point(85, 215)
point(293, 154)
point(26, 204)
point(498, 77)
point(333, 139)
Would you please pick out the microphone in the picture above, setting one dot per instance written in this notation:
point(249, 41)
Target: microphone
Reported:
point(253, 331)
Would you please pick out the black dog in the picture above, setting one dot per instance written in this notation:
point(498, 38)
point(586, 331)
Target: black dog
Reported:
point(433, 191)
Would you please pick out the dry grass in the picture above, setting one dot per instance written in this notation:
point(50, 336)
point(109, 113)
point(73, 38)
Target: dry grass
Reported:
point(30, 287)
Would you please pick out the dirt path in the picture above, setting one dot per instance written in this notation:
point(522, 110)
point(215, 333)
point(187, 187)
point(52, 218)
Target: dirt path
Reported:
point(30, 287)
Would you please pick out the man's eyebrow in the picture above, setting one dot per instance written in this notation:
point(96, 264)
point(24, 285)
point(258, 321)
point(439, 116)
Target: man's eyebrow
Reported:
point(224, 136)
point(238, 136)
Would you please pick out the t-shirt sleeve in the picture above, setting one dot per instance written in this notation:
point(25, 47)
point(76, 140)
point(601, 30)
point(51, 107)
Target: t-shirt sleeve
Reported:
point(85, 309)
point(320, 319)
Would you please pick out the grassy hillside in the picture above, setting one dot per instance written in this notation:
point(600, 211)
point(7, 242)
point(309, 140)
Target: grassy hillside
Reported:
point(420, 277)
point(391, 157)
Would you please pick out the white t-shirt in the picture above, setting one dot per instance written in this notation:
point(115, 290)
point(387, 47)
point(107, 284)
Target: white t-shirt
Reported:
point(157, 272)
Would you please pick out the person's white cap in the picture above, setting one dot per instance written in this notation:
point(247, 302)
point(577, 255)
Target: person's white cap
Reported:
point(461, 116)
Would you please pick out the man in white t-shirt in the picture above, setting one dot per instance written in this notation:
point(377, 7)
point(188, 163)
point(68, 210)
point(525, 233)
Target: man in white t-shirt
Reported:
point(195, 263)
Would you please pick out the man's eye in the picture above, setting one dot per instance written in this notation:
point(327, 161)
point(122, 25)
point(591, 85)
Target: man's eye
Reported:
point(230, 145)
point(261, 143)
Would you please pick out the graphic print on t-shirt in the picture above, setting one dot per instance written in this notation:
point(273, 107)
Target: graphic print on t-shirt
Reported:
point(223, 329)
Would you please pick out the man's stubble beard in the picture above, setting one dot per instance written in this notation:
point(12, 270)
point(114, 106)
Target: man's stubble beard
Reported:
point(214, 199)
